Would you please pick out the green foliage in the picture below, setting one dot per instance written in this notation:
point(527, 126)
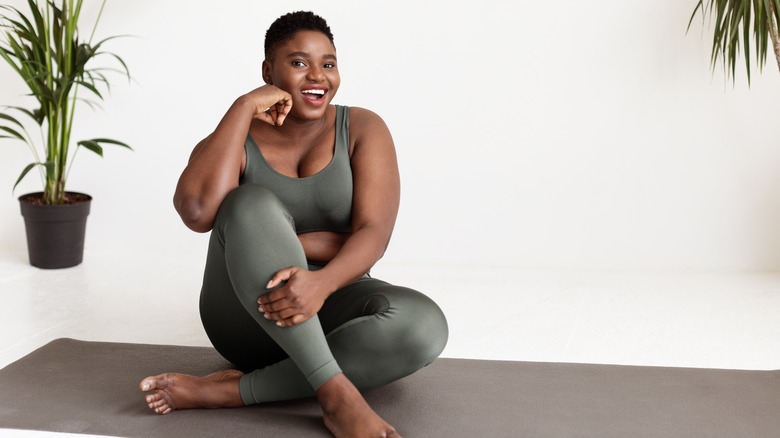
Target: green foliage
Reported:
point(45, 49)
point(735, 22)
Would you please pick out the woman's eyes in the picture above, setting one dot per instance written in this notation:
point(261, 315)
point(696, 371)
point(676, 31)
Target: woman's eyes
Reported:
point(303, 64)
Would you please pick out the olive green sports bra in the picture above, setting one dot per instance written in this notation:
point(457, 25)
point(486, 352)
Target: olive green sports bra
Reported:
point(319, 202)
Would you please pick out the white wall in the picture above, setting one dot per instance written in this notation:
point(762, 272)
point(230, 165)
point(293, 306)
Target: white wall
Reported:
point(562, 134)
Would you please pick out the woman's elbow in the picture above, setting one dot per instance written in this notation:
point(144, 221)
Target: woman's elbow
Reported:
point(194, 214)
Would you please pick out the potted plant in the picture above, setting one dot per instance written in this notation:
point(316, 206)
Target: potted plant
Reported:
point(46, 49)
point(735, 22)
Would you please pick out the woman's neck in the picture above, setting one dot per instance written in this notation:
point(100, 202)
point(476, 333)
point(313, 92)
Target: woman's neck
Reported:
point(295, 130)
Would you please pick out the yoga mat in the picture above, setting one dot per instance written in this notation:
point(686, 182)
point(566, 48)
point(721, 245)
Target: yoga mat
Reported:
point(91, 388)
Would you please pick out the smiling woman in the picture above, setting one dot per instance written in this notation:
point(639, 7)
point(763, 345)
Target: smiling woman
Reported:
point(301, 198)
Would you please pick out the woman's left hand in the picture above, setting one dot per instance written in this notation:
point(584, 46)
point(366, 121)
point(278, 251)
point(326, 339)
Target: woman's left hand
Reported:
point(296, 301)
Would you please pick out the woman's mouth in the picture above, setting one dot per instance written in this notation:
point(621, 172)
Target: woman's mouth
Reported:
point(313, 94)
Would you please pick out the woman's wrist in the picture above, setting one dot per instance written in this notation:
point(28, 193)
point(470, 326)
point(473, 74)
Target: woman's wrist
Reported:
point(329, 281)
point(244, 105)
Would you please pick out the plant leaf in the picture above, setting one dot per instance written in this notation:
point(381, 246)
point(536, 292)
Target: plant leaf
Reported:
point(28, 113)
point(13, 133)
point(24, 173)
point(111, 141)
point(11, 119)
point(90, 87)
point(92, 146)
point(699, 5)
point(735, 23)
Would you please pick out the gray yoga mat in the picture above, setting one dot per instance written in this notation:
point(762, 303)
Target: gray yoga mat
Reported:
point(91, 388)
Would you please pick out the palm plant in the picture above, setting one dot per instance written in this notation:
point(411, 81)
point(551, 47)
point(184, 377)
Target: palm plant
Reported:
point(735, 21)
point(48, 53)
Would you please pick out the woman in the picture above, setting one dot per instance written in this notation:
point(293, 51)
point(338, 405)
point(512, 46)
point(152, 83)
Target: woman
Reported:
point(301, 198)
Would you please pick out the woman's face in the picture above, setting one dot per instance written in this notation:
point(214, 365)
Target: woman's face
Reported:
point(305, 67)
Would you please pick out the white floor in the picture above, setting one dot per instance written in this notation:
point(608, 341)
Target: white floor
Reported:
point(683, 319)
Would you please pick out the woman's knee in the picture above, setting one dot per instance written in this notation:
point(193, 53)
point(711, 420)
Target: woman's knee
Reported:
point(423, 327)
point(252, 204)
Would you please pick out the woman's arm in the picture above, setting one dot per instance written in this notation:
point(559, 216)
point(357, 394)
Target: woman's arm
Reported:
point(375, 207)
point(216, 162)
point(377, 191)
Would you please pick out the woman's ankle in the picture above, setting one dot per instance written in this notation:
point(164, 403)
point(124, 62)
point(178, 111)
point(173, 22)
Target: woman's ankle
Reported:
point(336, 391)
point(346, 413)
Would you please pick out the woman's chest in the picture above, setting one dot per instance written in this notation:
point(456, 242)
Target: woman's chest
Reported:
point(300, 160)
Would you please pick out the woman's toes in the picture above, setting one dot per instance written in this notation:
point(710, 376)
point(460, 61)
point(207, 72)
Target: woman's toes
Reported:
point(156, 397)
point(148, 384)
point(161, 408)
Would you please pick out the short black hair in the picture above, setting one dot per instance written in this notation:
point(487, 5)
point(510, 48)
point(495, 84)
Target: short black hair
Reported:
point(286, 26)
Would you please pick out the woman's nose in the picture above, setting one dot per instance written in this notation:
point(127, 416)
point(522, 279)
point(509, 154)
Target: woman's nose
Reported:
point(315, 74)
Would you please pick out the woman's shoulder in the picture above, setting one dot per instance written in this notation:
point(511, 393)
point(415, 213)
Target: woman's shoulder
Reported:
point(362, 119)
point(368, 129)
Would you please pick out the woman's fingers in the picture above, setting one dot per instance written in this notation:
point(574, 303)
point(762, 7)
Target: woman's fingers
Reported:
point(278, 315)
point(282, 314)
point(266, 117)
point(275, 114)
point(277, 279)
point(276, 305)
point(280, 298)
point(294, 320)
point(271, 104)
point(286, 317)
point(283, 108)
point(284, 311)
point(293, 298)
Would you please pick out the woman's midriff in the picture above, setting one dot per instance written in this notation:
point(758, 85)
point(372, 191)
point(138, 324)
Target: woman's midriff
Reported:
point(322, 246)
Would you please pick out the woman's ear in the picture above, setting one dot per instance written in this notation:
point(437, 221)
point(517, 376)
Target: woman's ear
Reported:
point(267, 72)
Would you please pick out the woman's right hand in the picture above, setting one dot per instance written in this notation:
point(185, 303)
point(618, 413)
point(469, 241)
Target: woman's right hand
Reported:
point(269, 103)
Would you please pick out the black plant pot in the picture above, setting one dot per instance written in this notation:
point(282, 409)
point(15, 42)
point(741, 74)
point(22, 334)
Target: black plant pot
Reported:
point(55, 233)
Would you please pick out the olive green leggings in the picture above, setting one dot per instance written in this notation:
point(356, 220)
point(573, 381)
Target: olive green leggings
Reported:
point(371, 330)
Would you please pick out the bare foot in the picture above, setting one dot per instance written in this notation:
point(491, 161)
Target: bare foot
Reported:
point(346, 413)
point(183, 391)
